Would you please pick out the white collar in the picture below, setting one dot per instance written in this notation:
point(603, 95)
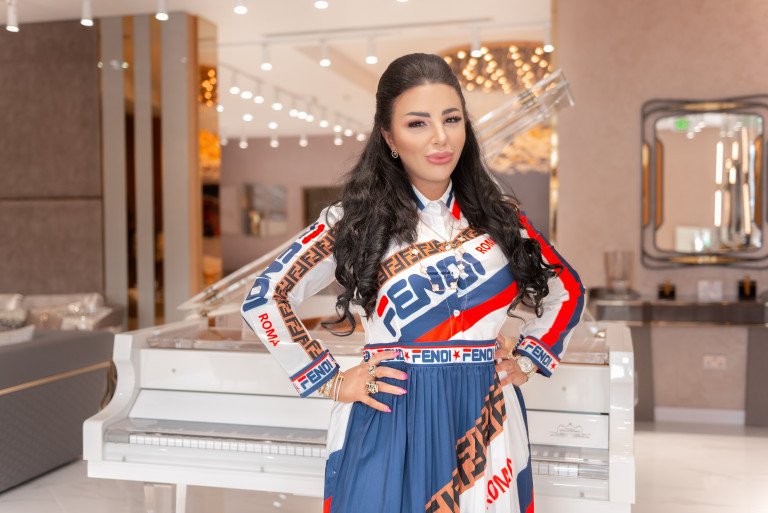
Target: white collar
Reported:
point(446, 199)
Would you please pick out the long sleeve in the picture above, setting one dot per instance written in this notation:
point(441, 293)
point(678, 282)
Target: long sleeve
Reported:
point(544, 339)
point(303, 269)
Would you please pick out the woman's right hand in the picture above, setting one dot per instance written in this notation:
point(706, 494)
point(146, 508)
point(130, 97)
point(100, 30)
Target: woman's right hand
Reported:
point(353, 387)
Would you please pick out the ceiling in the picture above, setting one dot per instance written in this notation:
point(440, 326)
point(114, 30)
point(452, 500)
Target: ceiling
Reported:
point(294, 28)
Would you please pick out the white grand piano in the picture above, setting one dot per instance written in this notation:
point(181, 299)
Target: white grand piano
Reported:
point(202, 403)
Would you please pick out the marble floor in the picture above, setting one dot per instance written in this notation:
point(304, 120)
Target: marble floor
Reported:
point(681, 468)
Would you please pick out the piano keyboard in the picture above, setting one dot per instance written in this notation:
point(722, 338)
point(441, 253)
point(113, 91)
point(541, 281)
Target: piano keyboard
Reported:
point(217, 444)
point(571, 462)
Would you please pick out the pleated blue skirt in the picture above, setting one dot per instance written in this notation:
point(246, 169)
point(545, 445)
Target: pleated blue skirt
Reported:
point(433, 452)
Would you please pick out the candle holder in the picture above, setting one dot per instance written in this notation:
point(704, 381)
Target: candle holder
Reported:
point(747, 289)
point(667, 291)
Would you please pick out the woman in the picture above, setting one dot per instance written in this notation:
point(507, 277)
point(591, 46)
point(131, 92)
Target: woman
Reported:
point(426, 243)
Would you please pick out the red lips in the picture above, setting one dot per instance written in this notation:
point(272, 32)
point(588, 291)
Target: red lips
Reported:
point(442, 157)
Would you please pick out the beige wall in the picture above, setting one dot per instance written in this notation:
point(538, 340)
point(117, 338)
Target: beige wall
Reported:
point(617, 54)
point(678, 371)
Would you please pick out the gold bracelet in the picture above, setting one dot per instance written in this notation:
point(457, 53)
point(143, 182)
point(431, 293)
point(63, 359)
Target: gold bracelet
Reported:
point(338, 381)
point(325, 388)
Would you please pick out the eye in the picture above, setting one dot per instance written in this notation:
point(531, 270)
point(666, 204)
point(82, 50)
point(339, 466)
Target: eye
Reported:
point(454, 119)
point(414, 124)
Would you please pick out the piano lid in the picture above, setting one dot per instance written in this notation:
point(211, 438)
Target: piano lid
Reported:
point(226, 295)
point(495, 131)
point(498, 128)
point(232, 339)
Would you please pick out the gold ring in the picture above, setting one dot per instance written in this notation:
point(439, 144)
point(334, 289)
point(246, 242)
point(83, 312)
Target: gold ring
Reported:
point(372, 387)
point(372, 370)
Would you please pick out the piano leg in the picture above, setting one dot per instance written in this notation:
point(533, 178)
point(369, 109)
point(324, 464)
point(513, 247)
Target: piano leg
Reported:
point(160, 498)
point(181, 498)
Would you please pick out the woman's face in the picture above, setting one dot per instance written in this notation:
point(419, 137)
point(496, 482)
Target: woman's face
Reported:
point(428, 132)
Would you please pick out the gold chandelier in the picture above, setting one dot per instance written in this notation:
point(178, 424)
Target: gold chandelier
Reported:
point(207, 93)
point(500, 67)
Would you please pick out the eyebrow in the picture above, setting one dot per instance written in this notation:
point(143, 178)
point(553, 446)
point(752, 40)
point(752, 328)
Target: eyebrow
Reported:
point(426, 114)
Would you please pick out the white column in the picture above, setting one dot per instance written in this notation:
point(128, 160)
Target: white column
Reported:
point(182, 231)
point(142, 133)
point(113, 162)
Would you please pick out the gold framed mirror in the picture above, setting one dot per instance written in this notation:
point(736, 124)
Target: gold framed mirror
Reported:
point(703, 182)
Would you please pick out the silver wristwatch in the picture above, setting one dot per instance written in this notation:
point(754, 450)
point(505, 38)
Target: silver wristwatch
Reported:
point(526, 365)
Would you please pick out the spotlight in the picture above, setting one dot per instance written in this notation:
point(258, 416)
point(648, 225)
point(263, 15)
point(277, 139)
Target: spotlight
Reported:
point(234, 88)
point(303, 142)
point(476, 51)
point(360, 136)
point(548, 46)
point(219, 108)
point(276, 105)
point(338, 141)
point(266, 65)
point(371, 57)
point(247, 117)
point(258, 98)
point(240, 7)
point(12, 19)
point(162, 11)
point(243, 143)
point(86, 16)
point(321, 4)
point(272, 125)
point(325, 61)
point(273, 142)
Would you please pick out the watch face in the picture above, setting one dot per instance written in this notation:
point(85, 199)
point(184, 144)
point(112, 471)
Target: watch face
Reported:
point(525, 363)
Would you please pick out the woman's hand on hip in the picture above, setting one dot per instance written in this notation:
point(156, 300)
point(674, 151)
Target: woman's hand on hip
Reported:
point(353, 388)
point(506, 367)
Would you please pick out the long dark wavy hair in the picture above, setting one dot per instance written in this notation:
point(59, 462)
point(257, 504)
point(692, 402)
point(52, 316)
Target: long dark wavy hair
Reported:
point(378, 205)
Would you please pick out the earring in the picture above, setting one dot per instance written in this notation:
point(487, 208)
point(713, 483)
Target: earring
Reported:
point(394, 154)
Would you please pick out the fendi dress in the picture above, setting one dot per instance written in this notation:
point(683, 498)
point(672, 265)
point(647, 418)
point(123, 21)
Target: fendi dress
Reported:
point(456, 441)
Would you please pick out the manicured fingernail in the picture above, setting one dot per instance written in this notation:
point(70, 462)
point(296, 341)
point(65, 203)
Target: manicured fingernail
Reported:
point(388, 410)
point(402, 391)
point(404, 376)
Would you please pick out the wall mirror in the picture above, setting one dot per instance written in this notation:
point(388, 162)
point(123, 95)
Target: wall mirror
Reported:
point(703, 182)
point(265, 210)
